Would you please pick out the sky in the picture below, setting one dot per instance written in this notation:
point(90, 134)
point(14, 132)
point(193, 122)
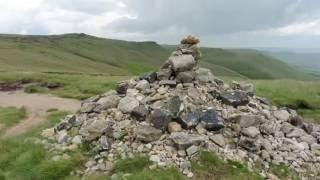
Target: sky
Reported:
point(218, 23)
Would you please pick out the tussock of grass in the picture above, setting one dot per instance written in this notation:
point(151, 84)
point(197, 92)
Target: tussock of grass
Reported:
point(296, 94)
point(131, 165)
point(22, 159)
point(157, 174)
point(283, 172)
point(210, 166)
point(11, 115)
point(55, 117)
point(309, 113)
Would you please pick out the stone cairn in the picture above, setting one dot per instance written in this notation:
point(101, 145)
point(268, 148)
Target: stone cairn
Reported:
point(172, 114)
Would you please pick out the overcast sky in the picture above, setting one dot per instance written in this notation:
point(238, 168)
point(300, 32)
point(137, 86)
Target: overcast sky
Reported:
point(218, 23)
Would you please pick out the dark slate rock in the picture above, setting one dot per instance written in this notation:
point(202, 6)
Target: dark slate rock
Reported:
point(211, 121)
point(150, 77)
point(140, 112)
point(122, 87)
point(104, 144)
point(190, 120)
point(160, 119)
point(234, 98)
point(174, 104)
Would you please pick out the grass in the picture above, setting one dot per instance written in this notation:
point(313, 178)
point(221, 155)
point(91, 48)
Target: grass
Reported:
point(131, 165)
point(310, 114)
point(210, 166)
point(21, 159)
point(303, 96)
point(282, 171)
point(9, 116)
point(77, 86)
point(79, 53)
point(158, 174)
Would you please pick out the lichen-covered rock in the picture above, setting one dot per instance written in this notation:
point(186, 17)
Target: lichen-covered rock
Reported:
point(147, 133)
point(186, 77)
point(182, 63)
point(204, 75)
point(183, 140)
point(127, 104)
point(140, 112)
point(94, 128)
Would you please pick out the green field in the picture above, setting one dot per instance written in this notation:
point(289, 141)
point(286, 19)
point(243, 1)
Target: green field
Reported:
point(80, 53)
point(9, 116)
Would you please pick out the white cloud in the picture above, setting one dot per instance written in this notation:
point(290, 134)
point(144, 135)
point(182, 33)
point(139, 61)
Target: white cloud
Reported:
point(217, 22)
point(301, 28)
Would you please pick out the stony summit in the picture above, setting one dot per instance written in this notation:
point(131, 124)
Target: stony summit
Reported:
point(172, 114)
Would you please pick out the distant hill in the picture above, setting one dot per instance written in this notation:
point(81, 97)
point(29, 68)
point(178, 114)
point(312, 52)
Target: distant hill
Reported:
point(81, 53)
point(308, 61)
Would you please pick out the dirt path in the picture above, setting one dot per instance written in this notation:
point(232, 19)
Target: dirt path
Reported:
point(36, 106)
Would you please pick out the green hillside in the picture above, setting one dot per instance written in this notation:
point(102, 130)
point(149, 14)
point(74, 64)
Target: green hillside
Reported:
point(81, 53)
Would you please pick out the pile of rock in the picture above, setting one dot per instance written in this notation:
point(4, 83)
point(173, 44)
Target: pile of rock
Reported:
point(172, 114)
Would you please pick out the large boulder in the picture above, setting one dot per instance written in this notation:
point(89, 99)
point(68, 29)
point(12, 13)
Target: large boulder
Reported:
point(147, 133)
point(246, 120)
point(211, 121)
point(160, 119)
point(174, 105)
point(234, 98)
point(190, 40)
point(183, 140)
point(182, 63)
point(94, 128)
point(104, 103)
point(204, 75)
point(186, 77)
point(190, 120)
point(127, 104)
point(140, 112)
point(282, 115)
point(143, 85)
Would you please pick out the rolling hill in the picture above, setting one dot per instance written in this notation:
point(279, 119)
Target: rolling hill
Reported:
point(81, 53)
point(308, 61)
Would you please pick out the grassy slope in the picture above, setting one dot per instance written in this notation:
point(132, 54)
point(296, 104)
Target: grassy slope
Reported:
point(79, 53)
point(251, 63)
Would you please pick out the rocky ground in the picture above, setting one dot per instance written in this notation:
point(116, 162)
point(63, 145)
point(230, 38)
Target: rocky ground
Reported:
point(172, 114)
